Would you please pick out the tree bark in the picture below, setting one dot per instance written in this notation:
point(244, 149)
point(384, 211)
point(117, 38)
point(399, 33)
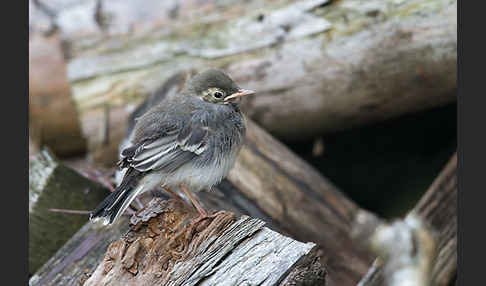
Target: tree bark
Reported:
point(438, 207)
point(52, 185)
point(317, 66)
point(165, 246)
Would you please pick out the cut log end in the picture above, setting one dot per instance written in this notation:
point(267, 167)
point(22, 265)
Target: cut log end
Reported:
point(165, 244)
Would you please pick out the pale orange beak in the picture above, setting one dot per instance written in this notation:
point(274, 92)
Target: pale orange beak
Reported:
point(240, 93)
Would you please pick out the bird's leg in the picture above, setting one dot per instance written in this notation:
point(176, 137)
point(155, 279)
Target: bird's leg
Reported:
point(202, 213)
point(174, 194)
point(139, 203)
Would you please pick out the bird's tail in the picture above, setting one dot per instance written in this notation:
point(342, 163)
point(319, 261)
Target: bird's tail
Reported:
point(118, 201)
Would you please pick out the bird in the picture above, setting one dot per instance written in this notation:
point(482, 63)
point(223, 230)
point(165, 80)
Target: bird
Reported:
point(189, 141)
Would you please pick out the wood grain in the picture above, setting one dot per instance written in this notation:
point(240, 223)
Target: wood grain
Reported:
point(165, 247)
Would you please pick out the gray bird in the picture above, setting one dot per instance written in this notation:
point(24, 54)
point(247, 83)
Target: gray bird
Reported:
point(189, 141)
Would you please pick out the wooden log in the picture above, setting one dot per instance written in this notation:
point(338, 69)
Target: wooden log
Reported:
point(52, 111)
point(165, 226)
point(52, 185)
point(79, 256)
point(317, 65)
point(422, 249)
point(438, 207)
point(164, 246)
point(300, 201)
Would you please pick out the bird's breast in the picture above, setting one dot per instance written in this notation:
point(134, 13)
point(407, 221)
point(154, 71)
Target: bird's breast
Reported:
point(209, 168)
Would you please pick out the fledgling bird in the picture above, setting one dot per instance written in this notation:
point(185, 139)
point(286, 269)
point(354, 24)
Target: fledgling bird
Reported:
point(189, 141)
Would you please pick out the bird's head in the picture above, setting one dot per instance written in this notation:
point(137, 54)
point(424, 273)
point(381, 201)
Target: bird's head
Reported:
point(215, 86)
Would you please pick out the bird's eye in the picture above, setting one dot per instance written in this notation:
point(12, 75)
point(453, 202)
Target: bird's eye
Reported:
point(218, 94)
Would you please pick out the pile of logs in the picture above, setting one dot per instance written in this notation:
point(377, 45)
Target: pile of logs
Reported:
point(318, 66)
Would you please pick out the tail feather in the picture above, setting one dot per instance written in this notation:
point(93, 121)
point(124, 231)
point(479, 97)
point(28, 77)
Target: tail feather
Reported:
point(118, 201)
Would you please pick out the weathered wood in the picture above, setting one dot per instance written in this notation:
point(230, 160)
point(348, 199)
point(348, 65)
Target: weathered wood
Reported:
point(76, 260)
point(317, 65)
point(423, 247)
point(52, 185)
point(438, 207)
point(52, 111)
point(166, 247)
point(300, 201)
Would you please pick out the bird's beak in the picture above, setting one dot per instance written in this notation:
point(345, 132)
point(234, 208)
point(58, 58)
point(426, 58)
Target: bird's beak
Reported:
point(240, 93)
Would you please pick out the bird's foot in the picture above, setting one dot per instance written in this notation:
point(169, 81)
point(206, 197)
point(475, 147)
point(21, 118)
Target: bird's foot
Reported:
point(204, 215)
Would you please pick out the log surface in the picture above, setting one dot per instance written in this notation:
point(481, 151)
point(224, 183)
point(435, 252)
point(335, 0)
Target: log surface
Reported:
point(438, 207)
point(165, 247)
point(76, 260)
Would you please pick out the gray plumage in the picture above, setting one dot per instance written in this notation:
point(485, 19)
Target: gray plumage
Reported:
point(192, 138)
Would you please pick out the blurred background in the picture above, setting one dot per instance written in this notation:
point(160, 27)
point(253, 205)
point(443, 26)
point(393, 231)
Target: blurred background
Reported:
point(364, 91)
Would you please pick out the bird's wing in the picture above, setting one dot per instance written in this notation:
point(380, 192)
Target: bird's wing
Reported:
point(170, 149)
